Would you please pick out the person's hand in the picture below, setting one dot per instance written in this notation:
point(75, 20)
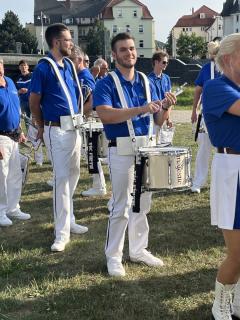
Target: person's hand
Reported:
point(169, 123)
point(151, 107)
point(194, 116)
point(22, 138)
point(23, 90)
point(169, 100)
point(40, 133)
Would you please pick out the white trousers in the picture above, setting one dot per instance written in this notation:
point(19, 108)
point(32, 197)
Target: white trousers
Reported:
point(98, 178)
point(202, 160)
point(10, 176)
point(121, 215)
point(64, 149)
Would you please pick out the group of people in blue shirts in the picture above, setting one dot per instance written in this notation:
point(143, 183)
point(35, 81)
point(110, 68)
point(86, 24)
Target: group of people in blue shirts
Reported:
point(126, 102)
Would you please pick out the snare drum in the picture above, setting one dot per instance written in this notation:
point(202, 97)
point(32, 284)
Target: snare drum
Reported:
point(166, 168)
point(96, 128)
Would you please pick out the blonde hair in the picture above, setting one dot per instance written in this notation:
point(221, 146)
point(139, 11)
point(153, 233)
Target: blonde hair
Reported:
point(228, 46)
point(1, 61)
point(213, 47)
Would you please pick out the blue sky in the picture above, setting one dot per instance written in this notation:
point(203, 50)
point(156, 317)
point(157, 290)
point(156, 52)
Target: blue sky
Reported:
point(165, 12)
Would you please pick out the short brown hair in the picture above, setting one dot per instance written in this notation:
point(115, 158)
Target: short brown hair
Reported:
point(22, 62)
point(120, 37)
point(54, 31)
point(157, 56)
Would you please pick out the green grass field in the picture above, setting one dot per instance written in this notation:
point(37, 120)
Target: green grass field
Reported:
point(36, 284)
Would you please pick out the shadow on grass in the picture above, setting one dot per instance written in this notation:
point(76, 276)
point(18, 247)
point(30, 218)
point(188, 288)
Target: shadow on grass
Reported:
point(118, 299)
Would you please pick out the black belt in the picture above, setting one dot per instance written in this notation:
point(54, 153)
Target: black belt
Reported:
point(14, 134)
point(112, 143)
point(52, 123)
point(227, 150)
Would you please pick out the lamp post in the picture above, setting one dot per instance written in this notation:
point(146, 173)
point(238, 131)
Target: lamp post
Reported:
point(41, 17)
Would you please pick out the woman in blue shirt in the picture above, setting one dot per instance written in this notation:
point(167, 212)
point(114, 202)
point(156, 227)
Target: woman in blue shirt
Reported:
point(221, 110)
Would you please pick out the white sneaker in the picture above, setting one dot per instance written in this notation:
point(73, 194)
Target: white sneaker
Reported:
point(147, 258)
point(39, 164)
point(59, 245)
point(195, 189)
point(115, 268)
point(78, 229)
point(18, 214)
point(5, 221)
point(50, 183)
point(94, 192)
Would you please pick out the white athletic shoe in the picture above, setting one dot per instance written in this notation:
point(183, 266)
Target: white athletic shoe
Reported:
point(78, 229)
point(94, 192)
point(18, 214)
point(147, 258)
point(195, 189)
point(115, 267)
point(59, 245)
point(5, 221)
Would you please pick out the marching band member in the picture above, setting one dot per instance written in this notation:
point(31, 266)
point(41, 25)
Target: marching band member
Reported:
point(221, 110)
point(88, 85)
point(50, 101)
point(207, 72)
point(103, 65)
point(10, 169)
point(160, 80)
point(121, 167)
point(23, 85)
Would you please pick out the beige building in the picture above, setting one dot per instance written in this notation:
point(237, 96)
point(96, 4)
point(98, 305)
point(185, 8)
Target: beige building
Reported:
point(134, 17)
point(80, 16)
point(204, 22)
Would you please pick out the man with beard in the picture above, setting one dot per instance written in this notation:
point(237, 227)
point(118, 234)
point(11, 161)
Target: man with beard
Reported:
point(121, 167)
point(49, 102)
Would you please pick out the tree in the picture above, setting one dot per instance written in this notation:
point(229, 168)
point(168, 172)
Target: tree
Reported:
point(169, 44)
point(191, 46)
point(11, 31)
point(96, 39)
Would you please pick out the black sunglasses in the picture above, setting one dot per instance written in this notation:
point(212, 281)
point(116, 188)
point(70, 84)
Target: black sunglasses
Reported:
point(165, 62)
point(86, 60)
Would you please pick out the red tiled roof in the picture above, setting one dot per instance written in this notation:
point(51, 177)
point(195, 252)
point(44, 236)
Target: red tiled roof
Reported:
point(194, 20)
point(108, 13)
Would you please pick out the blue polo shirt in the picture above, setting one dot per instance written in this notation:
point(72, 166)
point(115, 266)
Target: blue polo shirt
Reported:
point(205, 74)
point(24, 81)
point(53, 99)
point(223, 128)
point(87, 81)
point(105, 93)
point(162, 84)
point(9, 106)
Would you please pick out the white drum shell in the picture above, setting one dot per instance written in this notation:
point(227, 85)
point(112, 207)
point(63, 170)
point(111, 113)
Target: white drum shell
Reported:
point(166, 168)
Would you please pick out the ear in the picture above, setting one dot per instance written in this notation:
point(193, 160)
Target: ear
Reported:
point(114, 55)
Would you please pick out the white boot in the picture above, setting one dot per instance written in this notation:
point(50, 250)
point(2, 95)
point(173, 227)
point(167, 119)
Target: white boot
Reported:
point(236, 301)
point(222, 305)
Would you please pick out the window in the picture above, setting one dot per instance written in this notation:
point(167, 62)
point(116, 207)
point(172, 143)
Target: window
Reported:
point(141, 56)
point(128, 29)
point(190, 29)
point(119, 13)
point(69, 21)
point(183, 29)
point(135, 13)
point(237, 18)
point(140, 28)
point(237, 30)
point(220, 27)
point(115, 28)
point(72, 33)
point(141, 44)
point(202, 28)
point(202, 15)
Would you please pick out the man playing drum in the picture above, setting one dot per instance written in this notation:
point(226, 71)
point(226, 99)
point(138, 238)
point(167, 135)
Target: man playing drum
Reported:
point(121, 167)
